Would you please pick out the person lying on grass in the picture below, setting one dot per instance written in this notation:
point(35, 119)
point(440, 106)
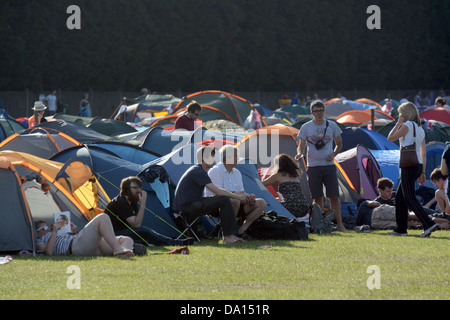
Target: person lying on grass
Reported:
point(95, 239)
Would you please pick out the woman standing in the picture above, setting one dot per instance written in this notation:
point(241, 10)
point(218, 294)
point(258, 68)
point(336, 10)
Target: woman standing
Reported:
point(409, 131)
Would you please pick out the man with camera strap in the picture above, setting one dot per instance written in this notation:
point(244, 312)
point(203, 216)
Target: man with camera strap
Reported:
point(316, 137)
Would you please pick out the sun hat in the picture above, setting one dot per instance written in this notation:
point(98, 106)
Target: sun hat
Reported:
point(39, 106)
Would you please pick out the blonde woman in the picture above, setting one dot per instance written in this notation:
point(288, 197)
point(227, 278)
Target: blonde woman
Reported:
point(408, 122)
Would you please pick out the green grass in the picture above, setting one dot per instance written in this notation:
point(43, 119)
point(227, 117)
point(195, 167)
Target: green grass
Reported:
point(324, 267)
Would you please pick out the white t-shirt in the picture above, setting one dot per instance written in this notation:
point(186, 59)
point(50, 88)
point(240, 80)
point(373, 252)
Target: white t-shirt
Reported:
point(220, 177)
point(408, 138)
point(51, 101)
point(312, 133)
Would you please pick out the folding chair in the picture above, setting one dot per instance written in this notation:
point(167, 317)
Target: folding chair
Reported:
point(212, 224)
point(188, 226)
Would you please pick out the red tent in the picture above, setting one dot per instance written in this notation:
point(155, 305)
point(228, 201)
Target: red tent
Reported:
point(438, 114)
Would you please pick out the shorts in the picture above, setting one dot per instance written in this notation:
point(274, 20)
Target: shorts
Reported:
point(323, 176)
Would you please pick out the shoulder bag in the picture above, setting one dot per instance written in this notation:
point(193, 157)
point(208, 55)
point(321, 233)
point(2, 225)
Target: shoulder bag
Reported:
point(408, 154)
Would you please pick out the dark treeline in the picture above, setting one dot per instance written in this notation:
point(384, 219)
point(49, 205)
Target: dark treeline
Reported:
point(243, 45)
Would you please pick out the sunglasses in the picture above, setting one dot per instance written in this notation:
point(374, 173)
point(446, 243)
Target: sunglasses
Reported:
point(40, 228)
point(318, 111)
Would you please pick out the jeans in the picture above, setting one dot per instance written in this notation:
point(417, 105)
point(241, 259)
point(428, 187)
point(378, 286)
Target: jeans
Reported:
point(218, 207)
point(406, 199)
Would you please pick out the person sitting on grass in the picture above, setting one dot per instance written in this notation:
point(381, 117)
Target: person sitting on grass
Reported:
point(95, 239)
point(443, 219)
point(380, 213)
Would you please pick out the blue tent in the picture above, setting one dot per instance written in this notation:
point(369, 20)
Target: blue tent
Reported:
point(128, 152)
point(352, 137)
point(388, 162)
point(110, 169)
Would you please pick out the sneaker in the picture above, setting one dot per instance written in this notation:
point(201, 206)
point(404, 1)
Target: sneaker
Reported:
point(427, 232)
point(395, 233)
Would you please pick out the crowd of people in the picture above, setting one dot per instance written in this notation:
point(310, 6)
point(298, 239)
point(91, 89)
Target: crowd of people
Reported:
point(217, 190)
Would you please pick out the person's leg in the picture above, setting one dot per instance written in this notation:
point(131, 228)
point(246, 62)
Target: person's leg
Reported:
point(335, 204)
point(401, 207)
point(332, 186)
point(409, 177)
point(97, 238)
point(252, 214)
point(218, 207)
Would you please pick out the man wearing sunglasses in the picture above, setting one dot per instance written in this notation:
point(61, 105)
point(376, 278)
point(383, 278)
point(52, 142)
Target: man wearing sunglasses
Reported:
point(187, 121)
point(127, 212)
point(317, 137)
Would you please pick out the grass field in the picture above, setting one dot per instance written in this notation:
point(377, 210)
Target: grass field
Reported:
point(324, 267)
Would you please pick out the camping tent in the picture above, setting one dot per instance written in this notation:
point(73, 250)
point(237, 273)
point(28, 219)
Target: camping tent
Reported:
point(8, 127)
point(262, 145)
point(110, 169)
point(230, 106)
point(438, 114)
point(111, 127)
point(351, 137)
point(77, 131)
point(338, 107)
point(362, 169)
point(358, 117)
point(33, 188)
point(38, 141)
point(127, 151)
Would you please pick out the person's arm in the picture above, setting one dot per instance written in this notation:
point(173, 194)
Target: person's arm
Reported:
point(337, 148)
point(135, 221)
point(398, 131)
point(270, 180)
point(301, 149)
point(444, 168)
point(50, 247)
point(223, 192)
point(423, 155)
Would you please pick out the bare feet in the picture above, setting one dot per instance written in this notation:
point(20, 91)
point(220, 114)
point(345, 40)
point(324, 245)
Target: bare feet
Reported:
point(232, 239)
point(124, 254)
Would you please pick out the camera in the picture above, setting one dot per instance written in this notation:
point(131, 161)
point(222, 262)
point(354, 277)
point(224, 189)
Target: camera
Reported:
point(319, 144)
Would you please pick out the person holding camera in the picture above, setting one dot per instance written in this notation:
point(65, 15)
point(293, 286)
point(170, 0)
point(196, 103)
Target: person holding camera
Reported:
point(317, 137)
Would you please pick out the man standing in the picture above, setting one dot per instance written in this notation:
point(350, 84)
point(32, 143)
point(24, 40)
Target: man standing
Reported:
point(51, 103)
point(127, 213)
point(225, 175)
point(189, 200)
point(187, 121)
point(319, 135)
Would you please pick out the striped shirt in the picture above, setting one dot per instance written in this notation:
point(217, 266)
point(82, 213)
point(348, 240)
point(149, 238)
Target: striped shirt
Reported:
point(61, 245)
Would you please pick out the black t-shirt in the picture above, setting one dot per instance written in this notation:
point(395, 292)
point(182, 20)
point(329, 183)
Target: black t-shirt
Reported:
point(390, 202)
point(190, 187)
point(119, 207)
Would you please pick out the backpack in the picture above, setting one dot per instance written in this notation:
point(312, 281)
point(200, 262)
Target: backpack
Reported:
point(318, 223)
point(270, 226)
